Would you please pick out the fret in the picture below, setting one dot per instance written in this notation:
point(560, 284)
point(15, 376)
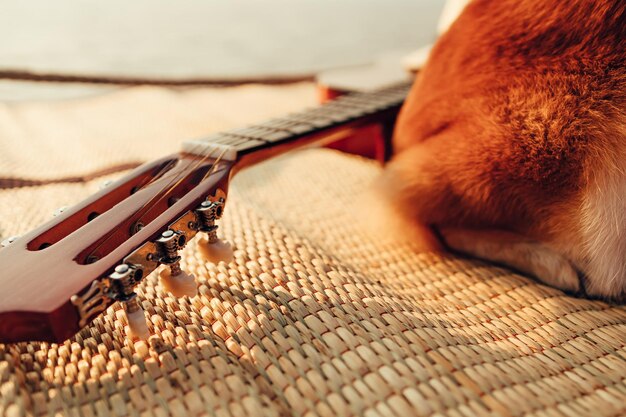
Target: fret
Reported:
point(305, 117)
point(356, 103)
point(365, 103)
point(249, 144)
point(333, 114)
point(239, 143)
point(261, 133)
point(345, 109)
point(221, 138)
point(296, 128)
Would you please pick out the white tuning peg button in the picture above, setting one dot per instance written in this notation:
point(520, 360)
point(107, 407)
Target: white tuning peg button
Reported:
point(216, 251)
point(179, 284)
point(137, 325)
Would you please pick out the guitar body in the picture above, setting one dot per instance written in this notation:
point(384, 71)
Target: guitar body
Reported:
point(373, 142)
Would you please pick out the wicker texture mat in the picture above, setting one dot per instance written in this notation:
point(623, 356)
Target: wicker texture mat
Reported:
point(317, 318)
point(136, 124)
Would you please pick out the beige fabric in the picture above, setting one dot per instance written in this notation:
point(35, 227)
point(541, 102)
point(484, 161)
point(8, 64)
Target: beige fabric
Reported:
point(314, 317)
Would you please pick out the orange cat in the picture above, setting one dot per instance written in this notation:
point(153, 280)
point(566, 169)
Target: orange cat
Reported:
point(512, 143)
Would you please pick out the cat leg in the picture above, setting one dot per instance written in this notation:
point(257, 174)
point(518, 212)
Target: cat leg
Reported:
point(381, 220)
point(437, 183)
point(521, 253)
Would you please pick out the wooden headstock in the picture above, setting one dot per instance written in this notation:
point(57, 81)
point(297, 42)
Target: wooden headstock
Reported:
point(56, 279)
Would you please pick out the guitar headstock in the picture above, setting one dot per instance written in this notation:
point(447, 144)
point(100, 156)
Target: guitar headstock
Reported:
point(59, 277)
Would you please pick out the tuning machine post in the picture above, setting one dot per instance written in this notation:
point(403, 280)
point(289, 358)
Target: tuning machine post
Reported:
point(165, 251)
point(176, 281)
point(121, 288)
point(210, 246)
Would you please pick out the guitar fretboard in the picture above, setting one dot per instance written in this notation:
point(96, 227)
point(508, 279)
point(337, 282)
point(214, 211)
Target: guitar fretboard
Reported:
point(343, 110)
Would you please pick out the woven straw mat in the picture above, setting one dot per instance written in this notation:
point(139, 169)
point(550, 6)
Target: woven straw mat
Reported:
point(314, 317)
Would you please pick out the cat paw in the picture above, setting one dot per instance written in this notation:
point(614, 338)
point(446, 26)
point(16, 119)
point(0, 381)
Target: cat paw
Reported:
point(525, 255)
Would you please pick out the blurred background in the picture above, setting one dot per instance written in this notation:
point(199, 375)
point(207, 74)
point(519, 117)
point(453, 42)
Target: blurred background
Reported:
point(222, 39)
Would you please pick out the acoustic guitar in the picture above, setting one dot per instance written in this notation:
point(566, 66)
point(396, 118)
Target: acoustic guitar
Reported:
point(56, 279)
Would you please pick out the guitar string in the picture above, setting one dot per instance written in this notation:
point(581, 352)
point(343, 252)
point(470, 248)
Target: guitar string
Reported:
point(168, 187)
point(179, 179)
point(175, 181)
point(147, 181)
point(183, 173)
point(206, 175)
point(217, 161)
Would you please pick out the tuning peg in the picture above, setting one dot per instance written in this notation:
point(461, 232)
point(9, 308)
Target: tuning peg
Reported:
point(122, 281)
point(214, 251)
point(137, 324)
point(210, 247)
point(178, 284)
point(176, 281)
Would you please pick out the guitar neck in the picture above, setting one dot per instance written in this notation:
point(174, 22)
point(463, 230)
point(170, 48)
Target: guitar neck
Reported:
point(322, 125)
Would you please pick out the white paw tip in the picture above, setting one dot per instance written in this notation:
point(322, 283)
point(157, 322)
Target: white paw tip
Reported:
point(178, 285)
